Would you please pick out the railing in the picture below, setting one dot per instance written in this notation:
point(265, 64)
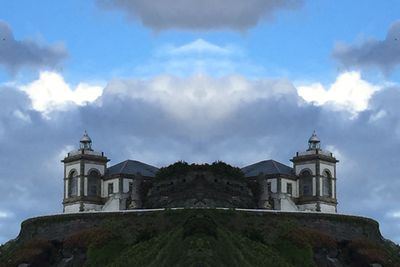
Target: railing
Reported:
point(86, 152)
point(314, 152)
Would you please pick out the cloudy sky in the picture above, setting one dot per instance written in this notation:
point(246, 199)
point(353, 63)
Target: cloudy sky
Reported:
point(232, 80)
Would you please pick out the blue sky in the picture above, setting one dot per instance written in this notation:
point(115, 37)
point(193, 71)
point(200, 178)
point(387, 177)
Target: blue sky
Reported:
point(222, 87)
point(296, 43)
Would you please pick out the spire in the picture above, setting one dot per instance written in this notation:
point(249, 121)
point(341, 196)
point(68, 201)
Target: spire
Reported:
point(314, 142)
point(85, 142)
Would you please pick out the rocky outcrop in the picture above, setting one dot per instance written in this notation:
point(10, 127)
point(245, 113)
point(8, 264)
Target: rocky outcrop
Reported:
point(340, 227)
point(200, 237)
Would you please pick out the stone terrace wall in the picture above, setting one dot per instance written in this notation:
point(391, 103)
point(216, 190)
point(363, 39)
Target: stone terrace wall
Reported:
point(341, 227)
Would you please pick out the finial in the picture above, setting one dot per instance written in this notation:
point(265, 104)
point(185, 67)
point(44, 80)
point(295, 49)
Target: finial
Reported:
point(86, 142)
point(314, 142)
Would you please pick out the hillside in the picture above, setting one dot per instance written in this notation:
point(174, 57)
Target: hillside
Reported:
point(199, 237)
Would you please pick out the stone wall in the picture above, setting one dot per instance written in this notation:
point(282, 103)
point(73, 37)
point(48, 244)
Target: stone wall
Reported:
point(340, 227)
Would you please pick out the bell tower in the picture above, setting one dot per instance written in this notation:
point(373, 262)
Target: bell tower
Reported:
point(316, 172)
point(83, 177)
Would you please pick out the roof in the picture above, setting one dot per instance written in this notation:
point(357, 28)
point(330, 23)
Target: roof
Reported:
point(85, 138)
point(314, 138)
point(132, 167)
point(267, 167)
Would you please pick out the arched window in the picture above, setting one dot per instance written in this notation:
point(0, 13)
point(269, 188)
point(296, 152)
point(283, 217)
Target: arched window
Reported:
point(73, 184)
point(327, 184)
point(306, 183)
point(94, 183)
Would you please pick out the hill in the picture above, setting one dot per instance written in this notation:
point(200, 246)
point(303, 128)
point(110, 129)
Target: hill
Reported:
point(199, 237)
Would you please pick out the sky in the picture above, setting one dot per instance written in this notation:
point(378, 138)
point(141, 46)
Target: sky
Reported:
point(199, 81)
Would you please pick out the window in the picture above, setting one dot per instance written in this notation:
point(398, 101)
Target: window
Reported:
point(93, 183)
point(269, 187)
point(289, 189)
point(73, 184)
point(130, 186)
point(307, 190)
point(306, 183)
point(326, 184)
point(110, 189)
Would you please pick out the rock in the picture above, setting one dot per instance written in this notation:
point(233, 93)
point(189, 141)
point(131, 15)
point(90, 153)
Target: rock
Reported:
point(323, 260)
point(66, 262)
point(75, 260)
point(376, 265)
point(333, 262)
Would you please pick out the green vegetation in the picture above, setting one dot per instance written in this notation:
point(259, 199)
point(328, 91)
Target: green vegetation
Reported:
point(195, 237)
point(218, 168)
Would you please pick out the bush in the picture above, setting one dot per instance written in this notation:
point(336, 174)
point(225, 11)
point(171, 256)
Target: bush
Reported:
point(181, 168)
point(84, 238)
point(303, 236)
point(364, 251)
point(36, 252)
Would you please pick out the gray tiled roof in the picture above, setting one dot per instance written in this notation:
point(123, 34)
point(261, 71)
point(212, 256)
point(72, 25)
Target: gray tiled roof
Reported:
point(267, 167)
point(132, 167)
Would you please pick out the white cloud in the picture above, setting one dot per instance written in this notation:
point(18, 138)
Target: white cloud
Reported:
point(51, 92)
point(393, 214)
point(6, 215)
point(236, 15)
point(383, 54)
point(200, 99)
point(200, 46)
point(335, 151)
point(22, 116)
point(349, 92)
point(377, 116)
point(199, 56)
point(17, 54)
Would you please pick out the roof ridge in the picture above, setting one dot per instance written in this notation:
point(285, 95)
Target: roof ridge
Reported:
point(275, 165)
point(145, 166)
point(254, 164)
point(123, 166)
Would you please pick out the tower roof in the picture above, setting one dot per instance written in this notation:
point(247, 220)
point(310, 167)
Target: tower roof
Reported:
point(85, 142)
point(85, 138)
point(267, 167)
point(314, 138)
point(132, 167)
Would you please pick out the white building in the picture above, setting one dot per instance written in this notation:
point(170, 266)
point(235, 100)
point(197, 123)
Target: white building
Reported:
point(309, 186)
point(90, 186)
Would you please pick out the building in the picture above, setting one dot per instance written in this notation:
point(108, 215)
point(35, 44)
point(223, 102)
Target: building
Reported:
point(310, 185)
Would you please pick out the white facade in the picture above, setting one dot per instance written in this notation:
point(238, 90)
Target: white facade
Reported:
point(94, 166)
point(309, 186)
point(115, 186)
point(306, 166)
point(294, 184)
point(274, 184)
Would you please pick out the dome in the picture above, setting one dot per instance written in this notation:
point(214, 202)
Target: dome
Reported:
point(314, 138)
point(85, 142)
point(314, 142)
point(85, 138)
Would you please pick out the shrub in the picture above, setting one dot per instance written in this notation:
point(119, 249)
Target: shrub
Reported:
point(303, 236)
point(37, 252)
point(364, 251)
point(181, 168)
point(82, 239)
